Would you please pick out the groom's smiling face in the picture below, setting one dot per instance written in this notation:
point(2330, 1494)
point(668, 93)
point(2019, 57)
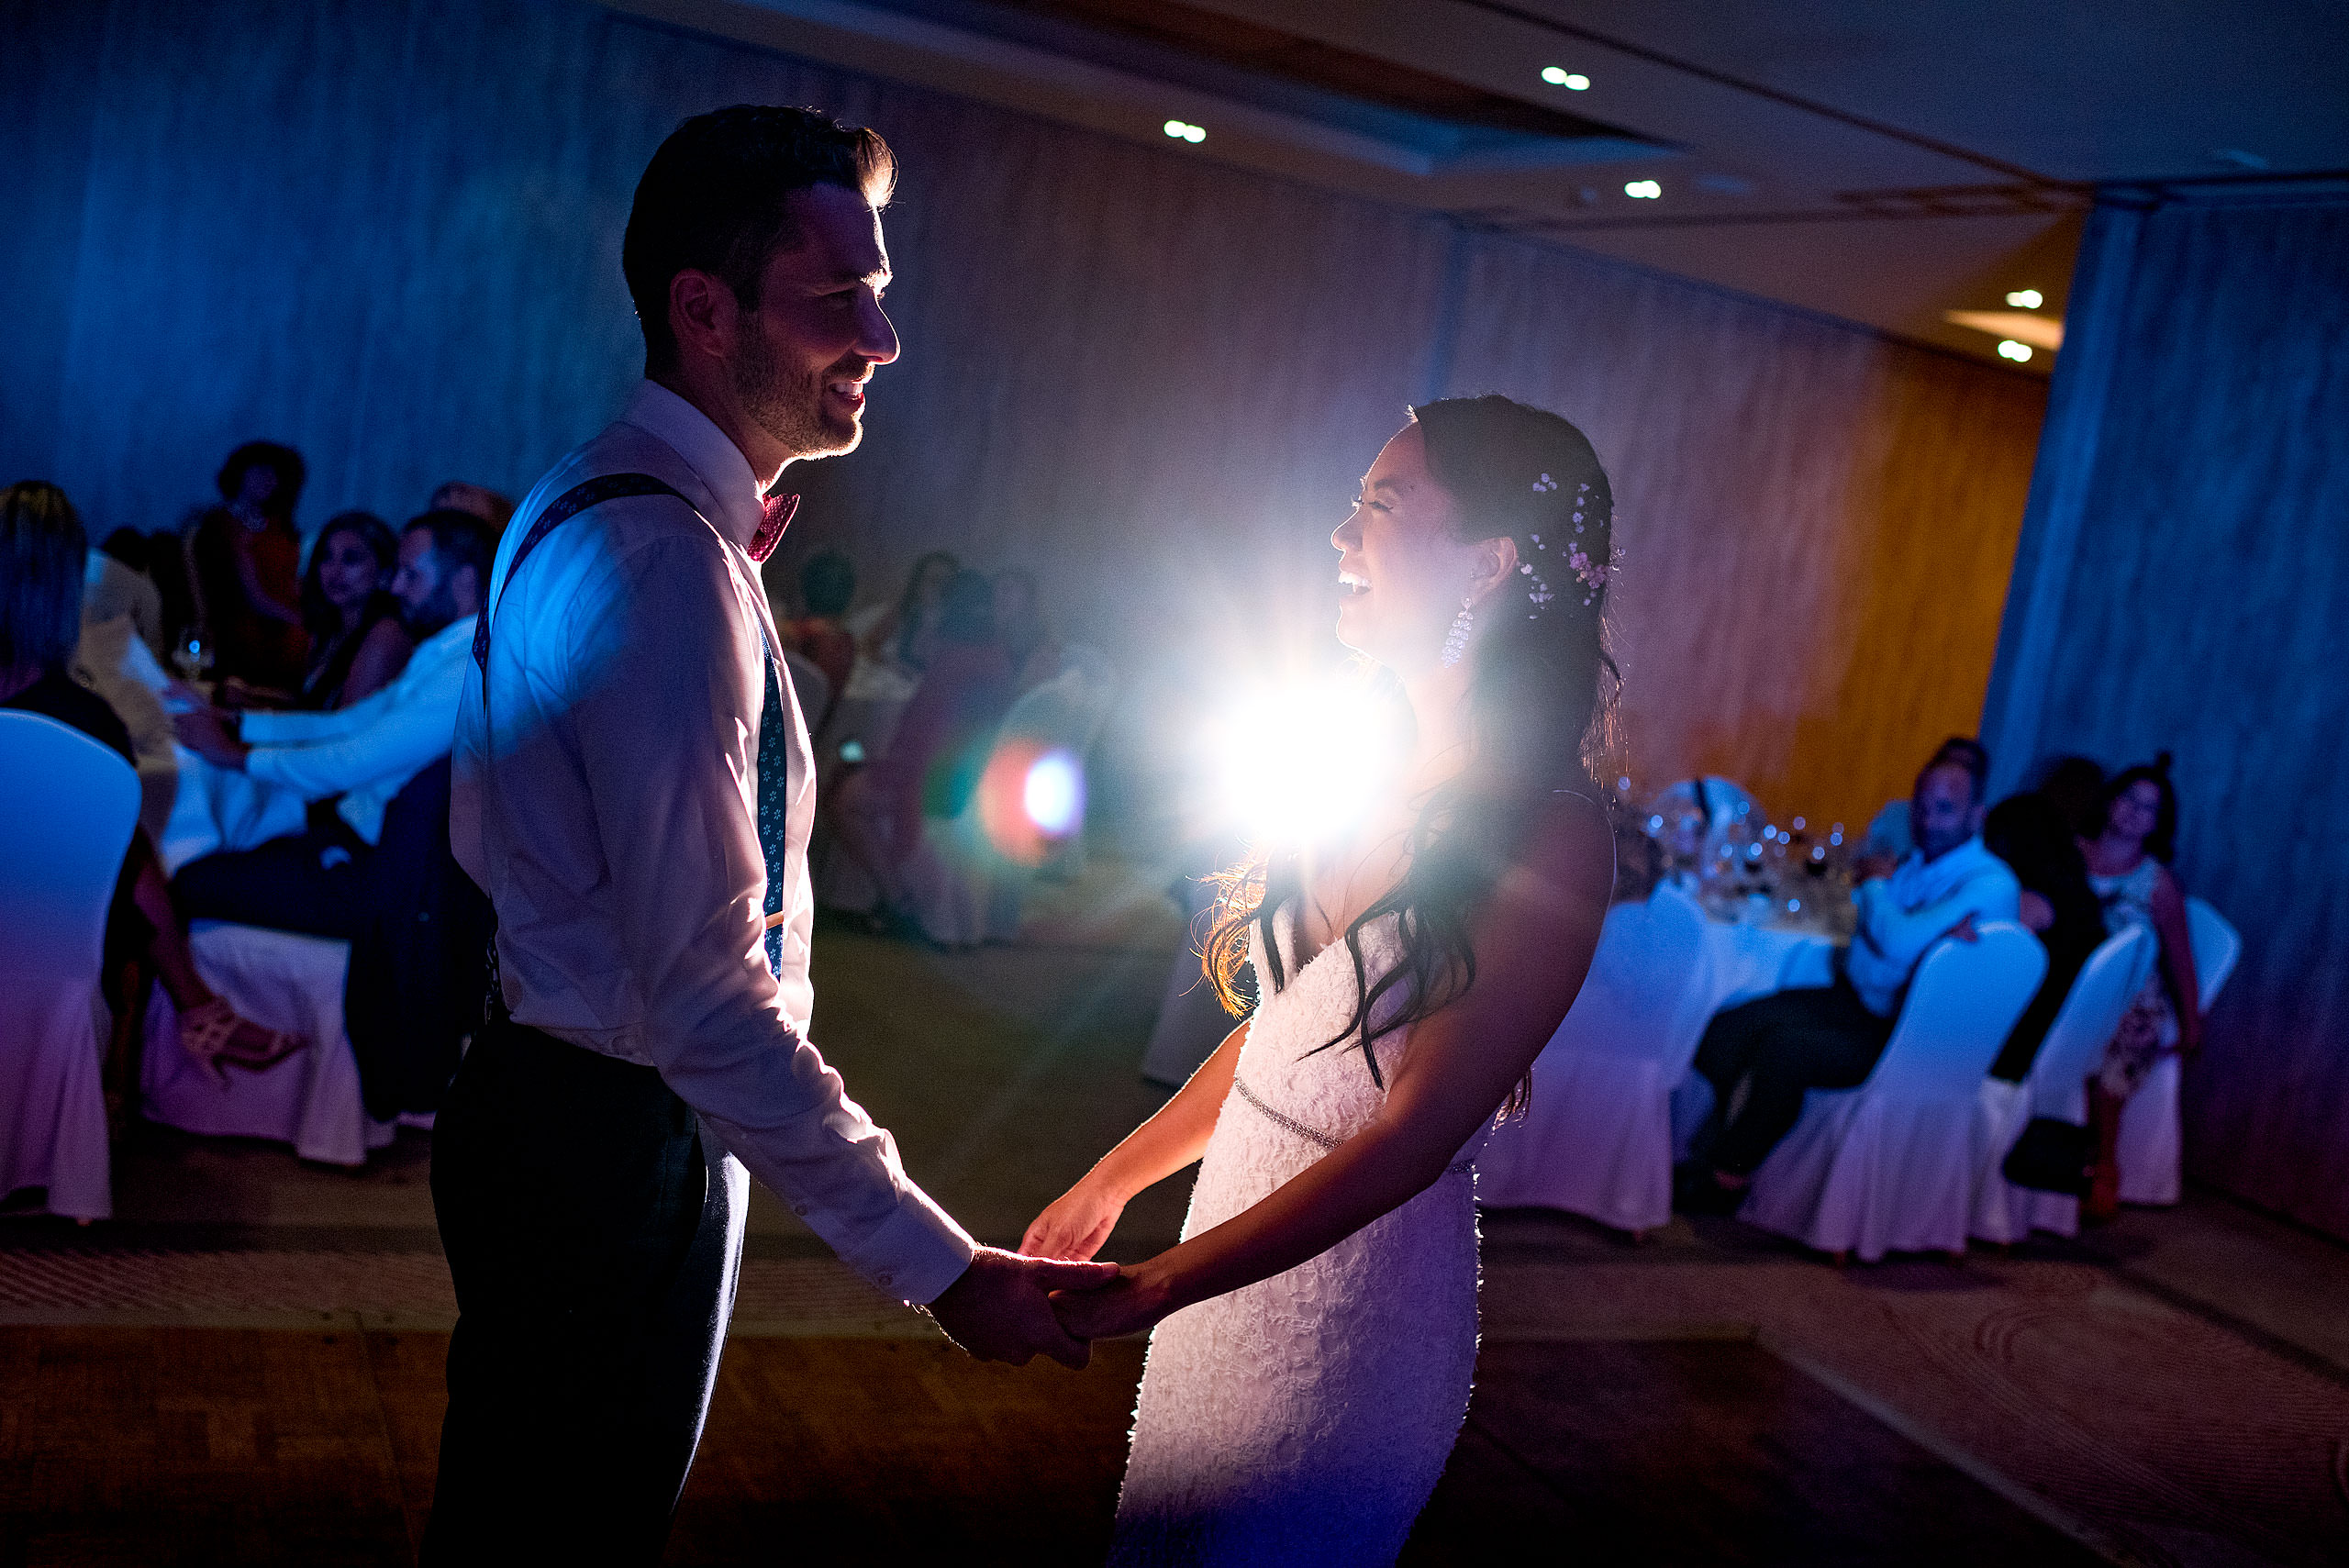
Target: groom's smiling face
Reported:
point(1401, 573)
point(811, 343)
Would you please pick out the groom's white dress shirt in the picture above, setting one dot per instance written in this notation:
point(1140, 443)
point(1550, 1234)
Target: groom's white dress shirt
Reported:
point(606, 794)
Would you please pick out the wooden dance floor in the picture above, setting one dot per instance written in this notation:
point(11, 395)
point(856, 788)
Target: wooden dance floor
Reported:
point(270, 1446)
point(244, 1366)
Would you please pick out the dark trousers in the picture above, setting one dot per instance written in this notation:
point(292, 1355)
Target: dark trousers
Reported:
point(314, 882)
point(1778, 1047)
point(594, 1242)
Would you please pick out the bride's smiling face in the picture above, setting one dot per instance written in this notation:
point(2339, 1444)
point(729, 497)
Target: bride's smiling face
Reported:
point(1402, 572)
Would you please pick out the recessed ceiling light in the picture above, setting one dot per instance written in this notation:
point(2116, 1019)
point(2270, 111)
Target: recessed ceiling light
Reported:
point(2010, 350)
point(1559, 76)
point(1182, 130)
point(1644, 190)
point(2026, 299)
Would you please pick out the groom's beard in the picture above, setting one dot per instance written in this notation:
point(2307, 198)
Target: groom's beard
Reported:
point(792, 405)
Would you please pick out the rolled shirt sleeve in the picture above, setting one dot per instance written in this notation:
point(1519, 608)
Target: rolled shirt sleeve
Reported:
point(657, 698)
point(392, 734)
point(1890, 940)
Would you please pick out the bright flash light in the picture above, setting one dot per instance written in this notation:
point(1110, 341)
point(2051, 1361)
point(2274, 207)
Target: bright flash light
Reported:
point(1053, 794)
point(1644, 190)
point(2010, 350)
point(1298, 764)
point(1559, 76)
point(2026, 299)
point(1183, 130)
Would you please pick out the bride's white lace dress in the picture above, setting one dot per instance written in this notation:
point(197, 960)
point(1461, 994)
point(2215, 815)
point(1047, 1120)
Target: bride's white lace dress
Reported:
point(1306, 1417)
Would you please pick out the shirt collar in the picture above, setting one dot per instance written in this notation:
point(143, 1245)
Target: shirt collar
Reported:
point(715, 461)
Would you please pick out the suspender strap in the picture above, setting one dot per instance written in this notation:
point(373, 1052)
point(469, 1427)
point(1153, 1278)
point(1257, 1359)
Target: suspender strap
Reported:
point(570, 504)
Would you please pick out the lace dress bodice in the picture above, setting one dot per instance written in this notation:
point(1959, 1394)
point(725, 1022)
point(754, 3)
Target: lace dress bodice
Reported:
point(1306, 1418)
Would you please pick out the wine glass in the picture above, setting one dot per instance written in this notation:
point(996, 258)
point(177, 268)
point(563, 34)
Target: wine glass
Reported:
point(192, 657)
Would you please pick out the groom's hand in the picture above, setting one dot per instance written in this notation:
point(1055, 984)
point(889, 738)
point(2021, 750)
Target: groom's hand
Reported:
point(1000, 1309)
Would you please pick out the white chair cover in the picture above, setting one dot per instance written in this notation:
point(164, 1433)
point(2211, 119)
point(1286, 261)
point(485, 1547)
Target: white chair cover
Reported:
point(2056, 1086)
point(1889, 1166)
point(67, 806)
point(963, 888)
point(1597, 1139)
point(2152, 1144)
point(311, 1099)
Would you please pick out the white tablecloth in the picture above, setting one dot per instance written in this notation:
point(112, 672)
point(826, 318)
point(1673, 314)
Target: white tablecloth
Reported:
point(1742, 964)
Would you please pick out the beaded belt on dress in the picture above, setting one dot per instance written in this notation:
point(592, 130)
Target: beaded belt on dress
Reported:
point(1290, 1124)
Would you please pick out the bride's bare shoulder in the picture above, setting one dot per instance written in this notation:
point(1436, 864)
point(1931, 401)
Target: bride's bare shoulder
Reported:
point(1569, 848)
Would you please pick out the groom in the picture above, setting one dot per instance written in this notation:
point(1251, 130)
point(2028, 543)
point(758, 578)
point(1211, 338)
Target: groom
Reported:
point(633, 787)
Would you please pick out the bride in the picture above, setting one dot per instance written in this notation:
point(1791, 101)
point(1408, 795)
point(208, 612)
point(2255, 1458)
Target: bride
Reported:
point(1316, 1328)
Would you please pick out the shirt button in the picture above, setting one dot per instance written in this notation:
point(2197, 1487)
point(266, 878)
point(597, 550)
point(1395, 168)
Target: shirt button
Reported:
point(800, 1209)
point(885, 1279)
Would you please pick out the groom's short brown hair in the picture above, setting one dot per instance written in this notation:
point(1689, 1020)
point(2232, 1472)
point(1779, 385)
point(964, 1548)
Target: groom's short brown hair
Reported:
point(712, 200)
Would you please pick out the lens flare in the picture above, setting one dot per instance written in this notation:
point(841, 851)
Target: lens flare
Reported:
point(1300, 762)
point(1053, 794)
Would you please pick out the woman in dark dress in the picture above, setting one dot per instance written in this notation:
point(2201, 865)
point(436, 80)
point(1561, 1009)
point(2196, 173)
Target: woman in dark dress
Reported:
point(43, 554)
point(357, 644)
point(2035, 835)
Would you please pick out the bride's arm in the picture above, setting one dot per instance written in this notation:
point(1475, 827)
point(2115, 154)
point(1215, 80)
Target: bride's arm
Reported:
point(1081, 1220)
point(1534, 944)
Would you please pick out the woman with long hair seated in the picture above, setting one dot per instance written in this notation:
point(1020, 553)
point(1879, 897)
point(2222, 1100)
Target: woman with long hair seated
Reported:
point(1316, 1328)
point(358, 643)
point(42, 552)
point(934, 754)
point(2128, 865)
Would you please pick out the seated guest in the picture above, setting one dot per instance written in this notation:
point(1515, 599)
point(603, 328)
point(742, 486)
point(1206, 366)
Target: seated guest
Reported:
point(482, 502)
point(1028, 639)
point(1887, 832)
point(935, 753)
point(2035, 837)
point(357, 640)
point(826, 585)
point(2127, 865)
point(112, 587)
point(246, 562)
point(2075, 787)
point(901, 634)
point(1763, 1057)
point(348, 764)
point(41, 574)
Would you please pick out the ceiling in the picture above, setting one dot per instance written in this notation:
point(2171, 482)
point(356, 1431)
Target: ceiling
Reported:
point(1884, 165)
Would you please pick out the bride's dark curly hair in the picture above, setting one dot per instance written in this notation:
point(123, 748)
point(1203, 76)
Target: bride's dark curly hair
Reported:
point(1541, 699)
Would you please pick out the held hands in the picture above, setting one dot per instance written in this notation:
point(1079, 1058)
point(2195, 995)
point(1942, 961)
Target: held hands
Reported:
point(1074, 1226)
point(1002, 1307)
point(1132, 1302)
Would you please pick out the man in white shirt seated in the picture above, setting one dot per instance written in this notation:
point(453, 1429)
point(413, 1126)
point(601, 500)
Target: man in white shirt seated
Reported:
point(1763, 1057)
point(342, 769)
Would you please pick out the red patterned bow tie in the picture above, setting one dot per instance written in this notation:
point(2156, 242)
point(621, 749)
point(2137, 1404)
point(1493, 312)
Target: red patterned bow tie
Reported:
point(776, 512)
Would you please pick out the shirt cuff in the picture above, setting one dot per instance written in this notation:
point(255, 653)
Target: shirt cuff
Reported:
point(915, 1253)
point(261, 764)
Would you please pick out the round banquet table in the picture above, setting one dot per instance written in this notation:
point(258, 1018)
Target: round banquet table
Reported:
point(1744, 962)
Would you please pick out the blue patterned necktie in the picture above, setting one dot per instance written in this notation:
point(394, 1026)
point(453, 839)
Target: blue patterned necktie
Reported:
point(774, 791)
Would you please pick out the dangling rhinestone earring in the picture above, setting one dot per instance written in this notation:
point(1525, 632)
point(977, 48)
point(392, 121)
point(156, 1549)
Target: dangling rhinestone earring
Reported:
point(1455, 642)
